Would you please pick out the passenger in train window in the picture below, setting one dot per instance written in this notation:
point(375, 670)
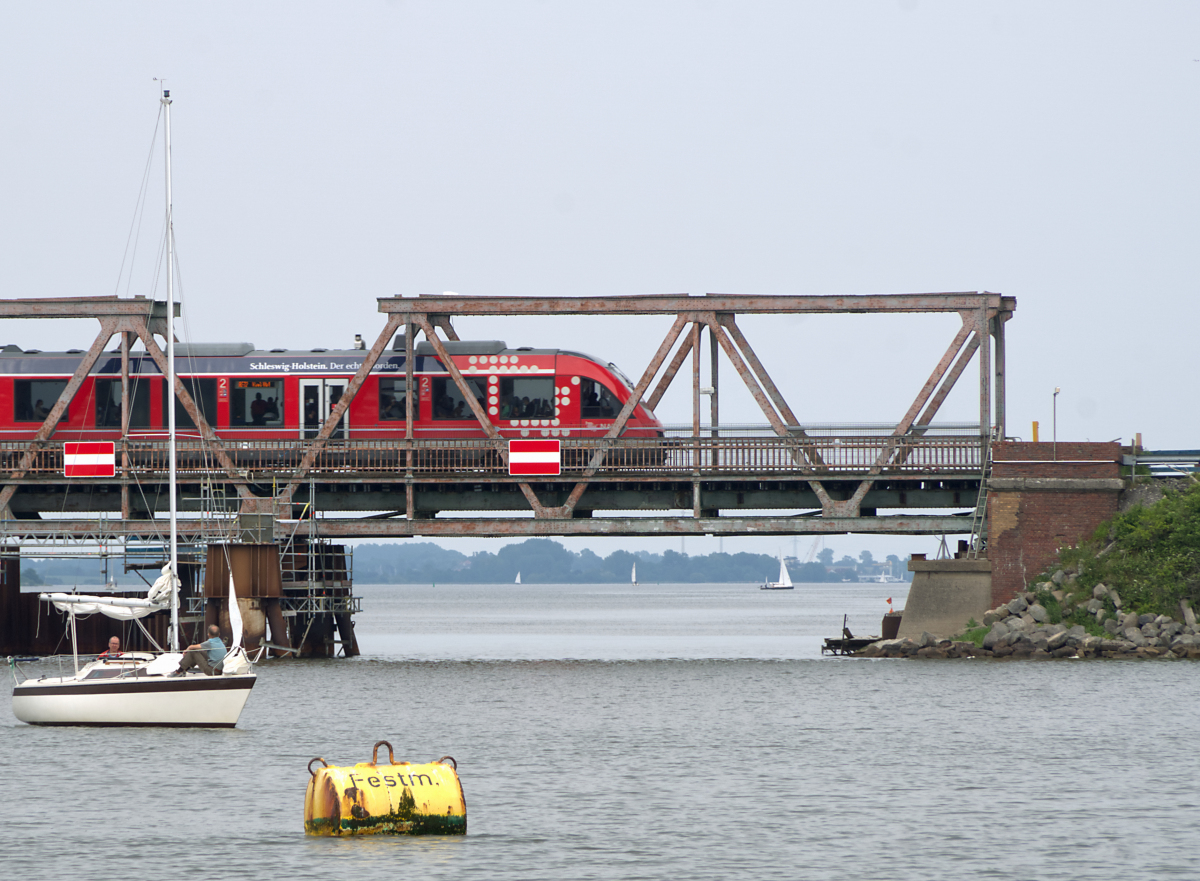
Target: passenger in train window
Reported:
point(392, 395)
point(258, 410)
point(596, 401)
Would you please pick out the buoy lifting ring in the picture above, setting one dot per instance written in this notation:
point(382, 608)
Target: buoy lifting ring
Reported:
point(451, 760)
point(317, 759)
point(375, 753)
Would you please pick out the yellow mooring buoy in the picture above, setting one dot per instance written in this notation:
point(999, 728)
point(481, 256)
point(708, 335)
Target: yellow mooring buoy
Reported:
point(398, 798)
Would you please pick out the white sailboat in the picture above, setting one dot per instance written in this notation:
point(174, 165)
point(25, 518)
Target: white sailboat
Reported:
point(633, 576)
point(785, 579)
point(138, 688)
point(518, 581)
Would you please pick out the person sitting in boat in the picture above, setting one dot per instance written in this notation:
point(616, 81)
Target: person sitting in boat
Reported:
point(206, 655)
point(114, 649)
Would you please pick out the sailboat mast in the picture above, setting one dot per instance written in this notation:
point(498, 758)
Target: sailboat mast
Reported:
point(173, 637)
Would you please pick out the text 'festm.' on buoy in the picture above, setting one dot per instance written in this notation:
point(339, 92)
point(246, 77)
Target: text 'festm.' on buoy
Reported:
point(398, 798)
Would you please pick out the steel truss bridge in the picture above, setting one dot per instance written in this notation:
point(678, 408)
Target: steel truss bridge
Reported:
point(702, 478)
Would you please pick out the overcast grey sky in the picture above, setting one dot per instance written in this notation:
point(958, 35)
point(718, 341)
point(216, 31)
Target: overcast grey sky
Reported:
point(329, 154)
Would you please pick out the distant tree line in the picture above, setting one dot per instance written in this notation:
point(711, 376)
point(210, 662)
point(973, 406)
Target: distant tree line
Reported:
point(544, 561)
point(539, 560)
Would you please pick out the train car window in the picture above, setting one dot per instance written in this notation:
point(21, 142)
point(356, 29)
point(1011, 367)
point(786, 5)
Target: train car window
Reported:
point(34, 398)
point(596, 401)
point(204, 393)
point(392, 396)
point(448, 402)
point(256, 402)
point(527, 397)
point(108, 403)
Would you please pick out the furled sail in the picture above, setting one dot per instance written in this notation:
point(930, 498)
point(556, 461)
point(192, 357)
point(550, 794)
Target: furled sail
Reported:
point(121, 608)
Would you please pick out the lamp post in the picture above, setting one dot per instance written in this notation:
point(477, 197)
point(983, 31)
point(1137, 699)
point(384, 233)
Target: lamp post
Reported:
point(1055, 435)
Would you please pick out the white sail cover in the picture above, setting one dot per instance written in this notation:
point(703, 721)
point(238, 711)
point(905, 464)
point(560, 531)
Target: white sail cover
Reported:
point(160, 590)
point(235, 615)
point(121, 608)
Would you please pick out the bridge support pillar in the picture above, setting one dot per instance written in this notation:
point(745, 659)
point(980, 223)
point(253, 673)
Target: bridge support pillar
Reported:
point(944, 596)
point(1041, 499)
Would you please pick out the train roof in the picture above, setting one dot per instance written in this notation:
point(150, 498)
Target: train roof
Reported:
point(244, 357)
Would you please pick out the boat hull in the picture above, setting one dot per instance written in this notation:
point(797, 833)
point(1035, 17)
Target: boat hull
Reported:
point(174, 702)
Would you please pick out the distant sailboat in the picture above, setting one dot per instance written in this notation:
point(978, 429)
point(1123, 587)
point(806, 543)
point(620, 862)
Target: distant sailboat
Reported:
point(785, 580)
point(633, 576)
point(518, 581)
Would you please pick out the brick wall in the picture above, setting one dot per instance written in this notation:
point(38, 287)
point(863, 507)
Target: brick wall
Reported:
point(1014, 459)
point(1028, 525)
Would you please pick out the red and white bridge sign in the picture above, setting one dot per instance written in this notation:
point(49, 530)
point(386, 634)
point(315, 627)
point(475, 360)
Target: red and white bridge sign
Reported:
point(534, 457)
point(89, 459)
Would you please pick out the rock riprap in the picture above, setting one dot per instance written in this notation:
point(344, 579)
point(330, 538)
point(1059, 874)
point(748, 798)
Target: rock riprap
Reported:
point(1020, 629)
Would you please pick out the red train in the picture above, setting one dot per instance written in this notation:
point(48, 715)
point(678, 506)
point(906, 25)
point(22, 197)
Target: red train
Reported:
point(279, 394)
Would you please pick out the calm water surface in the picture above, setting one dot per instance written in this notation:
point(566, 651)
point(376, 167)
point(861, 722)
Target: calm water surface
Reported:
point(664, 731)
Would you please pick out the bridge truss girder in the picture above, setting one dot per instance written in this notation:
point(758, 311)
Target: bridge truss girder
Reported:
point(981, 333)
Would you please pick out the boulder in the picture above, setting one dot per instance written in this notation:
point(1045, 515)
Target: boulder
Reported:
point(1038, 613)
point(1094, 605)
point(1099, 592)
point(989, 618)
point(1189, 615)
point(1115, 597)
point(1057, 641)
point(1132, 634)
point(1145, 619)
point(926, 639)
point(1111, 625)
point(993, 637)
point(1059, 577)
point(1058, 595)
point(1149, 630)
point(1017, 605)
point(1065, 651)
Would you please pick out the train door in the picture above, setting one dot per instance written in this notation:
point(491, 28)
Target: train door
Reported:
point(318, 397)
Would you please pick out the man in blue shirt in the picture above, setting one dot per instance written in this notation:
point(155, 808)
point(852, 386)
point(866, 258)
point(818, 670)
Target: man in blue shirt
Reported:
point(206, 655)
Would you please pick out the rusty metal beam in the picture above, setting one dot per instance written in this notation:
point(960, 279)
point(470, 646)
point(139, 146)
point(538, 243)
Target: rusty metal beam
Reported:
point(673, 304)
point(776, 396)
point(622, 419)
point(935, 403)
point(665, 381)
point(85, 307)
point(189, 405)
point(998, 323)
point(192, 532)
point(443, 322)
point(500, 444)
point(647, 526)
point(108, 327)
point(983, 321)
point(343, 404)
point(828, 505)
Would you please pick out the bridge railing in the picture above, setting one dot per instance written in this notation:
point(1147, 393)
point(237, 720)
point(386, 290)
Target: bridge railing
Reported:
point(478, 457)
